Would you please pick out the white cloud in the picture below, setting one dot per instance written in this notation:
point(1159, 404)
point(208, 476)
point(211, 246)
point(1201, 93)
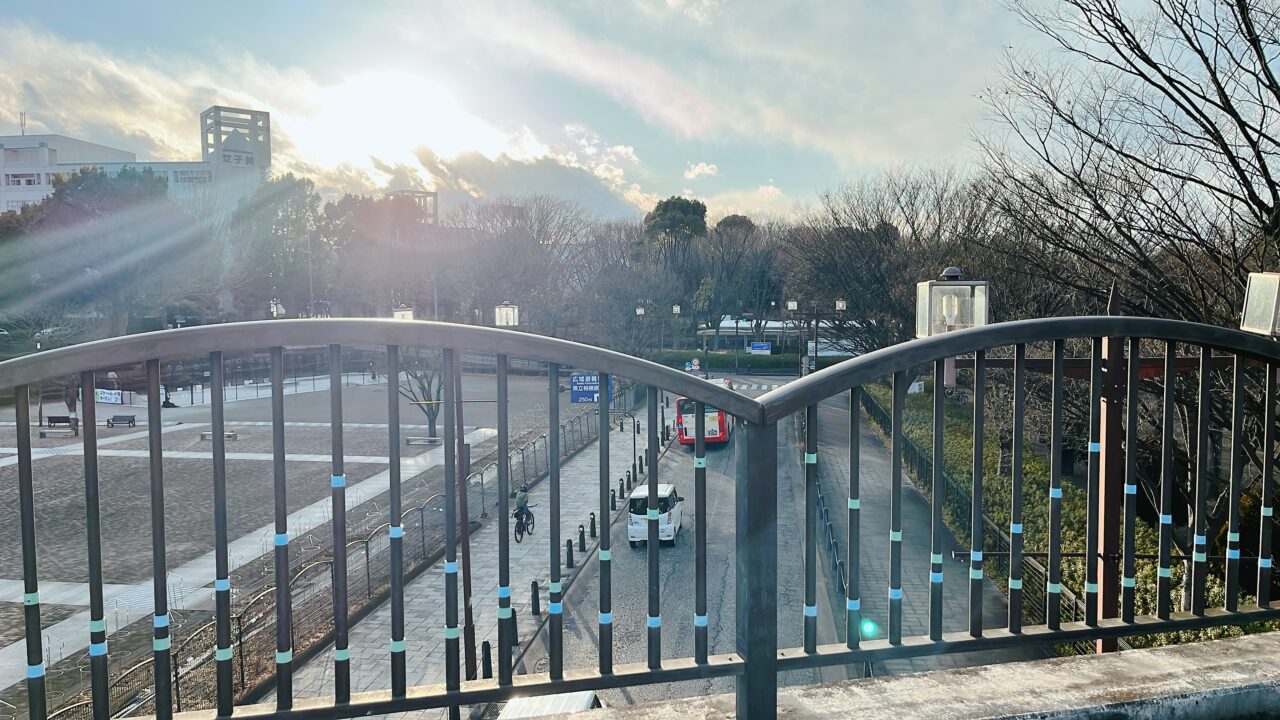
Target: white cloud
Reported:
point(764, 201)
point(696, 171)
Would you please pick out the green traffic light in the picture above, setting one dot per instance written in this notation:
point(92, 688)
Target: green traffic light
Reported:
point(869, 628)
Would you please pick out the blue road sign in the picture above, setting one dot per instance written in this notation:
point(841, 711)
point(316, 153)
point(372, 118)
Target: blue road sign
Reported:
point(584, 388)
point(761, 348)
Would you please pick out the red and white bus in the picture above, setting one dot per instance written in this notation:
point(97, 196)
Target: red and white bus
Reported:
point(718, 424)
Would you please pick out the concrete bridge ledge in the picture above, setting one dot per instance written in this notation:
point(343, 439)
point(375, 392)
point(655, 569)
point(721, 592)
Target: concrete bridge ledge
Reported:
point(1235, 678)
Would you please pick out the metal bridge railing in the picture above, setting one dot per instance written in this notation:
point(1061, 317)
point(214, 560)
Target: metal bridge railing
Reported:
point(1222, 571)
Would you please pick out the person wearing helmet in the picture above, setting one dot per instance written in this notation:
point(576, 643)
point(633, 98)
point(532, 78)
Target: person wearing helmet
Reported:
point(522, 506)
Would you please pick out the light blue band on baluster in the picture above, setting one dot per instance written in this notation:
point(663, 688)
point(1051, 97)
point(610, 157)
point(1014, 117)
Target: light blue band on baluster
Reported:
point(504, 613)
point(1264, 562)
point(855, 503)
point(1091, 587)
point(284, 657)
point(341, 655)
point(1267, 511)
point(652, 514)
point(1053, 587)
point(554, 587)
point(1199, 557)
point(1200, 539)
point(1015, 583)
point(975, 556)
point(450, 633)
point(606, 618)
point(1015, 528)
point(504, 591)
point(975, 573)
point(97, 649)
point(31, 598)
point(654, 621)
point(1233, 553)
point(222, 584)
point(895, 536)
point(338, 481)
point(1164, 572)
point(700, 462)
point(223, 654)
point(1095, 447)
point(935, 558)
point(1130, 489)
point(451, 568)
point(397, 646)
point(161, 621)
point(811, 611)
point(35, 671)
point(811, 458)
point(1128, 582)
point(1233, 537)
point(605, 555)
point(395, 531)
point(160, 644)
point(97, 626)
point(895, 593)
point(1055, 493)
point(555, 608)
point(935, 577)
point(1166, 519)
point(699, 620)
point(282, 538)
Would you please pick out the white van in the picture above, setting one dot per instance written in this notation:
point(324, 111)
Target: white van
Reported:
point(670, 514)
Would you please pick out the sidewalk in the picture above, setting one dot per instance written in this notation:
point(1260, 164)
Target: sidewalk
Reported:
point(369, 640)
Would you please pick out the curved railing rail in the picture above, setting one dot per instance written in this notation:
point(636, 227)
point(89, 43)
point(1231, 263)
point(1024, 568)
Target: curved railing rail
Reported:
point(1032, 510)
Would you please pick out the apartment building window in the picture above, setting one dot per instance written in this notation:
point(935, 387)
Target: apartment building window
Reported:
point(21, 179)
point(17, 204)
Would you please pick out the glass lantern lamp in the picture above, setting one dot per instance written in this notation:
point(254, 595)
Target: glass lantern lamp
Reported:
point(402, 313)
point(506, 315)
point(950, 303)
point(1261, 304)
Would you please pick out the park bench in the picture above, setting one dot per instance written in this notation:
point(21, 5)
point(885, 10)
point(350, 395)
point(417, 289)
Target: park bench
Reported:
point(228, 435)
point(64, 425)
point(130, 420)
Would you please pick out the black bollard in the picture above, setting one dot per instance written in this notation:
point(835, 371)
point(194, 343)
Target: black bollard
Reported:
point(582, 539)
point(621, 491)
point(486, 660)
point(568, 553)
point(534, 608)
point(613, 498)
point(628, 481)
point(515, 629)
point(641, 459)
point(593, 526)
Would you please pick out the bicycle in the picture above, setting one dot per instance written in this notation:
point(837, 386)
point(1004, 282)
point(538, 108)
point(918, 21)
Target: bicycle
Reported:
point(523, 525)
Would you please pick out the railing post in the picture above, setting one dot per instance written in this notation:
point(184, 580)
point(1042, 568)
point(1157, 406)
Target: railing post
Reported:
point(756, 540)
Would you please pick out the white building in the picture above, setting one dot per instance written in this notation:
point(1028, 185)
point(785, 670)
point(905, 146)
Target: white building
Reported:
point(235, 157)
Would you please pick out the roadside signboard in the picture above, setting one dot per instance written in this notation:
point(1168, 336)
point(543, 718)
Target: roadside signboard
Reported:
point(761, 348)
point(111, 397)
point(584, 388)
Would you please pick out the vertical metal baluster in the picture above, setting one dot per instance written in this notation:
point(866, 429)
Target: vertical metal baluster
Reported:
point(976, 518)
point(895, 509)
point(1128, 579)
point(338, 494)
point(555, 609)
point(160, 643)
point(1268, 469)
point(101, 693)
point(853, 596)
point(222, 568)
point(1199, 557)
point(451, 633)
point(1164, 573)
point(936, 531)
point(606, 546)
point(654, 621)
point(811, 529)
point(505, 618)
point(284, 599)
point(1091, 559)
point(1232, 598)
point(396, 530)
point(37, 707)
point(1015, 493)
point(756, 570)
point(700, 528)
point(1053, 587)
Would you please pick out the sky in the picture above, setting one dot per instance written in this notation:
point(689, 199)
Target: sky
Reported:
point(752, 106)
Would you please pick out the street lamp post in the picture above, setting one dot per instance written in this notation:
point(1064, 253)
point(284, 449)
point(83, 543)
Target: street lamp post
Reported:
point(675, 312)
point(793, 306)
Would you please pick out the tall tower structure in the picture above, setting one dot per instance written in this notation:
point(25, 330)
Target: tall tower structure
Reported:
point(235, 139)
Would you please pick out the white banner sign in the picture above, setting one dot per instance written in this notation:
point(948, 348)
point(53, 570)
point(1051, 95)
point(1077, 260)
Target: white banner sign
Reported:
point(109, 397)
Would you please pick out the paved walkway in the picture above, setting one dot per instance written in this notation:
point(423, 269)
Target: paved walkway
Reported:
point(424, 607)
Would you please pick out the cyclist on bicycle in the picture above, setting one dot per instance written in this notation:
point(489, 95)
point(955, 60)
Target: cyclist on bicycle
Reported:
point(522, 504)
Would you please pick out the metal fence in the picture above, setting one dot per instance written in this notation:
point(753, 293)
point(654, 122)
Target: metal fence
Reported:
point(758, 660)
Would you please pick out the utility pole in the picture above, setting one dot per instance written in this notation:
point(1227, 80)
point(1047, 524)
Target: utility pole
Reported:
point(1111, 478)
point(464, 461)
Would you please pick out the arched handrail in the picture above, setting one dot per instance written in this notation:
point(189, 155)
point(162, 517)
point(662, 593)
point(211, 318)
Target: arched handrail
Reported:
point(851, 373)
point(259, 335)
